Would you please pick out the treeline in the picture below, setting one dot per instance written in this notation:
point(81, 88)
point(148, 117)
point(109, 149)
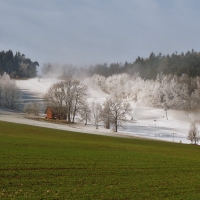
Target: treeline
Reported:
point(175, 64)
point(148, 68)
point(17, 66)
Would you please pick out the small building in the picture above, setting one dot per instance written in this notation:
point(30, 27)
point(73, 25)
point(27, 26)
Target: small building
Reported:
point(55, 113)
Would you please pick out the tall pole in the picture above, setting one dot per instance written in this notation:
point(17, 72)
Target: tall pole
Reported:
point(173, 135)
point(155, 126)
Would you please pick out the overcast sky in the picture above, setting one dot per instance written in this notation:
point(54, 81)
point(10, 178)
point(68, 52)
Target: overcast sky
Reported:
point(84, 32)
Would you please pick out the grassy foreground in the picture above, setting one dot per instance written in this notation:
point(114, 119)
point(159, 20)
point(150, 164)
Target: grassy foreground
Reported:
point(40, 163)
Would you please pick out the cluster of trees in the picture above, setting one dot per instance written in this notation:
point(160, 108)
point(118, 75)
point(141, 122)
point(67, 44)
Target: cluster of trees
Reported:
point(9, 92)
point(148, 68)
point(70, 97)
point(17, 66)
point(70, 94)
point(32, 108)
point(166, 91)
point(113, 112)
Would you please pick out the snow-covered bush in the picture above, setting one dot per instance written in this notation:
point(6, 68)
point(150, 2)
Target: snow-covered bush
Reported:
point(32, 108)
point(9, 92)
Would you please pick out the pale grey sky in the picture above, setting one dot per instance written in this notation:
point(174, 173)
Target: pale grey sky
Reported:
point(84, 32)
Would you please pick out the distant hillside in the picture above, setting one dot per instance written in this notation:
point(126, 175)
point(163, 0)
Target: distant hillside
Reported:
point(147, 68)
point(17, 66)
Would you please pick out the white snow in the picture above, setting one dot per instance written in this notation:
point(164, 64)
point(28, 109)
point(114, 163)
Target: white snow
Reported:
point(146, 123)
point(35, 85)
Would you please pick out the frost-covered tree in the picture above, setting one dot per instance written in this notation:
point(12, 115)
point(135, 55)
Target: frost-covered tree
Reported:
point(55, 97)
point(166, 108)
point(100, 81)
point(96, 113)
point(80, 94)
point(106, 113)
point(193, 134)
point(32, 108)
point(177, 92)
point(85, 112)
point(67, 95)
point(28, 108)
point(120, 109)
point(68, 91)
point(195, 94)
point(36, 108)
point(9, 92)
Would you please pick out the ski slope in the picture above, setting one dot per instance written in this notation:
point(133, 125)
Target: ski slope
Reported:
point(145, 122)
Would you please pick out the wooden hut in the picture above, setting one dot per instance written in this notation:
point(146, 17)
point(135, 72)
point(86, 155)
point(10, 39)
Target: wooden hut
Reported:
point(55, 113)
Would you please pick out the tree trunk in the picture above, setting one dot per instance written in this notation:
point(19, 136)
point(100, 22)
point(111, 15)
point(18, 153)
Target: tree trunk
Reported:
point(107, 125)
point(68, 117)
point(74, 113)
point(166, 115)
point(116, 128)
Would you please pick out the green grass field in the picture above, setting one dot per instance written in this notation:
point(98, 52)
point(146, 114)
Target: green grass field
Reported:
point(40, 163)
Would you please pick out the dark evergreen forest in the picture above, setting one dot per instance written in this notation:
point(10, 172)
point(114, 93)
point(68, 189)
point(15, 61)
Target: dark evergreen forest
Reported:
point(148, 68)
point(17, 66)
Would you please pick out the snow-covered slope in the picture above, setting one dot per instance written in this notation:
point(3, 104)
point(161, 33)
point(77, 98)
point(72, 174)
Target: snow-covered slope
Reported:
point(146, 122)
point(35, 85)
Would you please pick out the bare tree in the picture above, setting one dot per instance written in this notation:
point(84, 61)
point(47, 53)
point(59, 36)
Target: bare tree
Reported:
point(96, 108)
point(85, 112)
point(106, 113)
point(32, 108)
point(166, 108)
point(28, 108)
point(120, 109)
point(69, 89)
point(193, 134)
point(67, 94)
point(80, 94)
point(35, 108)
point(55, 97)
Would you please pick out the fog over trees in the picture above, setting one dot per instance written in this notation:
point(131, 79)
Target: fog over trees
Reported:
point(148, 68)
point(161, 81)
point(19, 66)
